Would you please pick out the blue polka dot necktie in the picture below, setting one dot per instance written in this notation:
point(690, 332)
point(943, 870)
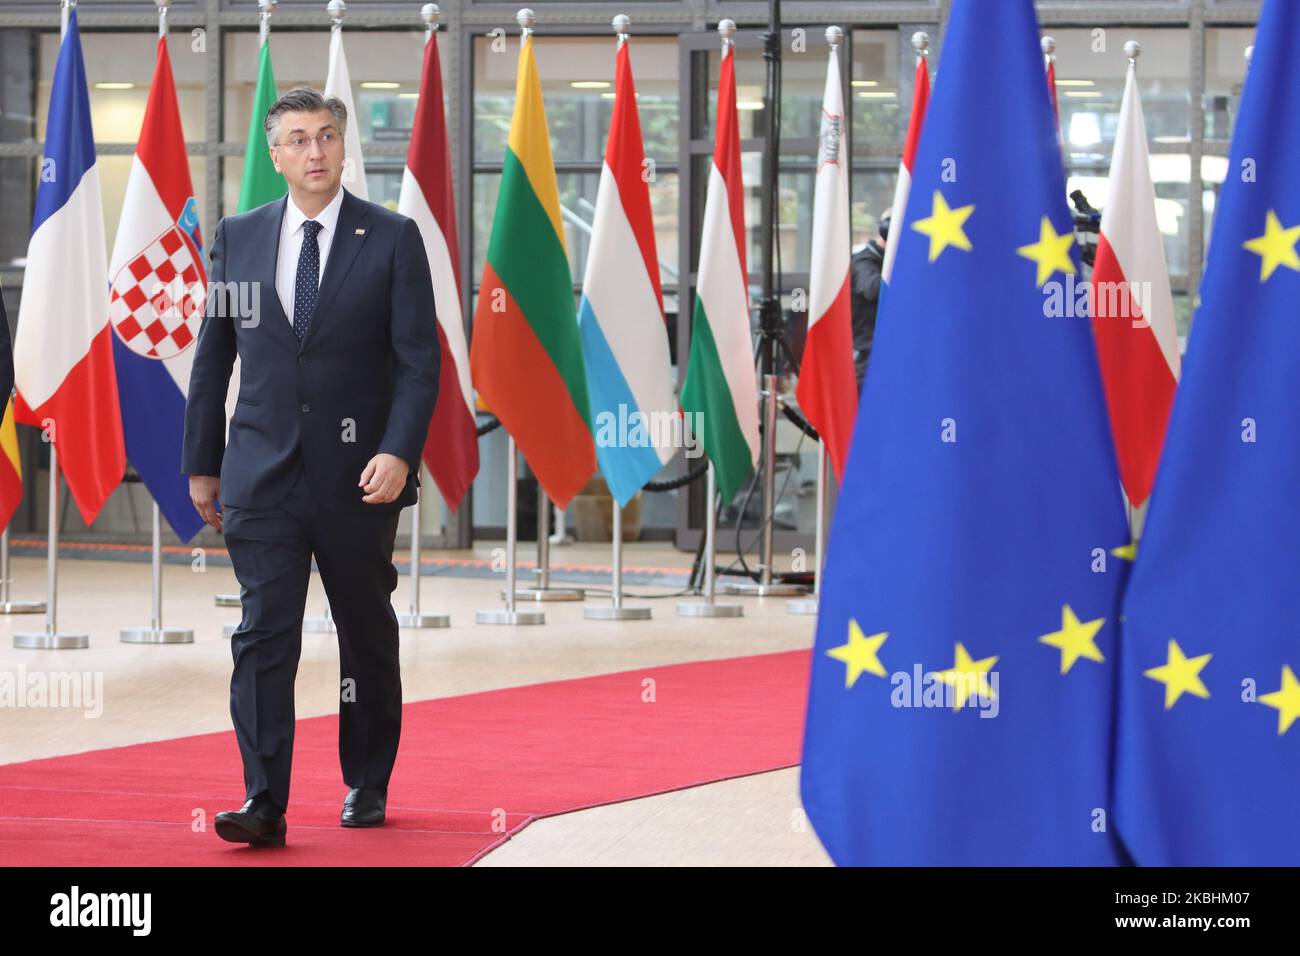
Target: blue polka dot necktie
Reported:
point(307, 283)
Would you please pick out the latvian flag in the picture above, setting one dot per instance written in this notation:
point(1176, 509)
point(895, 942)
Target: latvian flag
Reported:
point(63, 355)
point(427, 196)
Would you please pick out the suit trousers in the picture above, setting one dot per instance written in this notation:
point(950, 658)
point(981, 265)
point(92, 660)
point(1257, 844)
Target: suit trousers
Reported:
point(272, 550)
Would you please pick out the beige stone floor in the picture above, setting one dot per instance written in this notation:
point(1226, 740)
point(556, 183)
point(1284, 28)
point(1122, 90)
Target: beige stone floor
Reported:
point(159, 692)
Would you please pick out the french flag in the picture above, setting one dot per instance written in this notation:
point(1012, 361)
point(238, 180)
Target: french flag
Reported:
point(63, 354)
point(451, 448)
point(158, 288)
point(621, 317)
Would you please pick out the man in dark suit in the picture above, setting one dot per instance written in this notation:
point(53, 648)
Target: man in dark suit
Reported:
point(338, 379)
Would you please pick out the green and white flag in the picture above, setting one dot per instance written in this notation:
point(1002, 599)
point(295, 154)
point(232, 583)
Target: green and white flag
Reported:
point(720, 386)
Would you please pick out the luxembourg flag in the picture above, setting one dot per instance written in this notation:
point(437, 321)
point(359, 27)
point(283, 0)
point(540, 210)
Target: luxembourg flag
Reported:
point(63, 355)
point(828, 388)
point(427, 196)
point(920, 103)
point(1132, 306)
point(158, 290)
point(621, 319)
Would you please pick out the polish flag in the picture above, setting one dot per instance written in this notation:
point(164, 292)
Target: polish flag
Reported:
point(338, 82)
point(63, 354)
point(828, 390)
point(1132, 307)
point(920, 103)
point(451, 448)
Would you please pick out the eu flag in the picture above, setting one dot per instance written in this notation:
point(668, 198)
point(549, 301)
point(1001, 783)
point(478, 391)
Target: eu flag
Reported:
point(975, 526)
point(1208, 768)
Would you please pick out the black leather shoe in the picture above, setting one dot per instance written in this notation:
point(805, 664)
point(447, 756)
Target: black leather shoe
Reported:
point(259, 822)
point(364, 807)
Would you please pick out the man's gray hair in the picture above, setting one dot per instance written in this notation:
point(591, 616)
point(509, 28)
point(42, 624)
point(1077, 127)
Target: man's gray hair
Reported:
point(303, 99)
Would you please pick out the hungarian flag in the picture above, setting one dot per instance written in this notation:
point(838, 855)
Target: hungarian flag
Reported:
point(1132, 307)
point(11, 470)
point(828, 388)
point(720, 383)
point(338, 82)
point(261, 183)
point(63, 357)
point(624, 330)
point(427, 196)
point(525, 356)
point(920, 103)
point(158, 289)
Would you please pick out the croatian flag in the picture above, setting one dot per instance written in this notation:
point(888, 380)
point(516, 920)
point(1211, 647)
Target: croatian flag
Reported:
point(428, 197)
point(63, 356)
point(621, 318)
point(920, 103)
point(158, 289)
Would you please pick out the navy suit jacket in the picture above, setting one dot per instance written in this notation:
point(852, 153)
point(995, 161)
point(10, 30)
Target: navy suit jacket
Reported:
point(363, 380)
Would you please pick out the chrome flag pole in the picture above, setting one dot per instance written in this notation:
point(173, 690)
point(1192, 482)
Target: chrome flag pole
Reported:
point(510, 614)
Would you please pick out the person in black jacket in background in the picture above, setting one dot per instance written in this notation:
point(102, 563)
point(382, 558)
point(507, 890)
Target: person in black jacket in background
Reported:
point(864, 275)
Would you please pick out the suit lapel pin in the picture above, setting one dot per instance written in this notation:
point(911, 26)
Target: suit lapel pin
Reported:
point(361, 232)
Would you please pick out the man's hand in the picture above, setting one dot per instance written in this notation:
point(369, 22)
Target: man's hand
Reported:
point(384, 478)
point(203, 492)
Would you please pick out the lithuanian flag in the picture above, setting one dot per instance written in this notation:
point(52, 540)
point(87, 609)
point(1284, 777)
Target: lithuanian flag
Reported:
point(526, 354)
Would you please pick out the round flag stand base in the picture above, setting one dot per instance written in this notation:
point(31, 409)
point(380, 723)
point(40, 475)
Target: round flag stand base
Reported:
point(701, 609)
point(807, 606)
point(22, 607)
point(52, 641)
point(499, 615)
point(754, 589)
point(226, 600)
point(319, 625)
point(228, 630)
point(547, 594)
point(156, 635)
point(607, 612)
point(420, 621)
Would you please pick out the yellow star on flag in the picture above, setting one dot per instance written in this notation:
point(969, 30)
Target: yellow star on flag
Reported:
point(1276, 247)
point(967, 677)
point(944, 226)
point(1051, 252)
point(859, 654)
point(1075, 639)
point(1286, 700)
point(1128, 552)
point(1180, 674)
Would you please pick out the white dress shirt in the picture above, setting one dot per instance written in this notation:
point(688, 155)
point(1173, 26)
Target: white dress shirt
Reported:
point(286, 264)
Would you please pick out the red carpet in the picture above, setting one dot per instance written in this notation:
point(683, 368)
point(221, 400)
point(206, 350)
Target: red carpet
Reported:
point(471, 772)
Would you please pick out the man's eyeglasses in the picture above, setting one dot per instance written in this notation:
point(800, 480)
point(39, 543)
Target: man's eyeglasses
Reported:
point(300, 141)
